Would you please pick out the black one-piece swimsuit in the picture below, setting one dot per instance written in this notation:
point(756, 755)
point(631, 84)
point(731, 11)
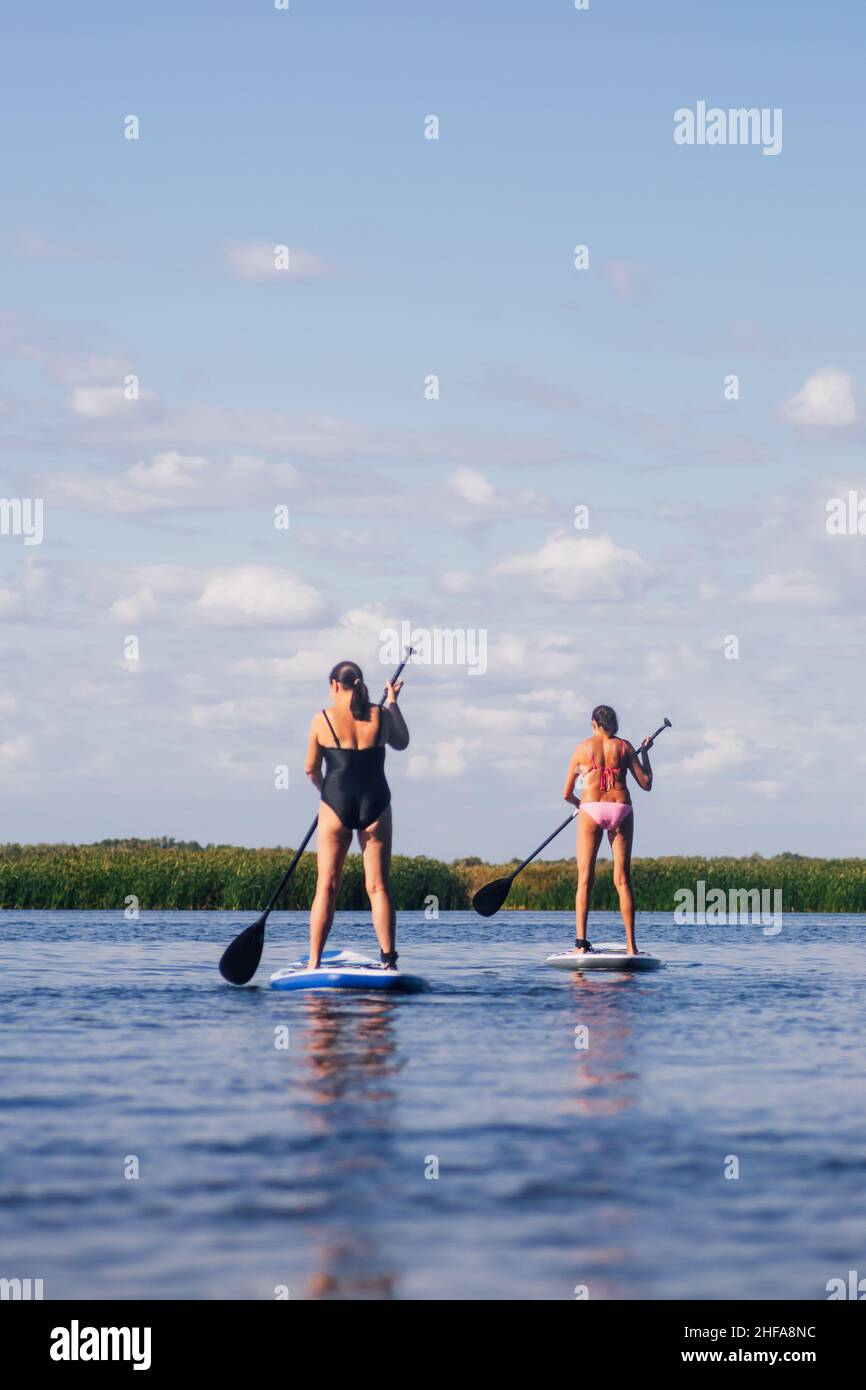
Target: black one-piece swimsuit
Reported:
point(354, 784)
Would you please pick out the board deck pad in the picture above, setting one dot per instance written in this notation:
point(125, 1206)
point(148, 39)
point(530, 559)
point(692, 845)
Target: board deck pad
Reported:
point(607, 955)
point(345, 970)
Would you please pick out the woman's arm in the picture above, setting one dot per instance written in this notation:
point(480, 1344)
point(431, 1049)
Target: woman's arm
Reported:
point(571, 777)
point(397, 734)
point(313, 763)
point(641, 770)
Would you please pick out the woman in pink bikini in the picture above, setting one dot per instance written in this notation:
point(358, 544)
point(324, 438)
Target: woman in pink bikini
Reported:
point(603, 761)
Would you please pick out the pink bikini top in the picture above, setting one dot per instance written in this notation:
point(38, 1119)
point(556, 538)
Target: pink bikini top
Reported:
point(608, 774)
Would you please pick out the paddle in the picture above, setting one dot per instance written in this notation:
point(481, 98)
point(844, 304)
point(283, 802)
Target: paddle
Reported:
point(490, 898)
point(240, 960)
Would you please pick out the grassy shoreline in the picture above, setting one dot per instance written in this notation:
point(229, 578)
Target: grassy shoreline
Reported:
point(161, 874)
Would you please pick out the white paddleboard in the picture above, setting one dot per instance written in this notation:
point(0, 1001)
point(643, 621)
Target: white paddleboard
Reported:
point(605, 956)
point(345, 970)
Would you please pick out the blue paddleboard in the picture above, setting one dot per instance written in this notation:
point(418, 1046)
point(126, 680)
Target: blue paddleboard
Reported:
point(345, 970)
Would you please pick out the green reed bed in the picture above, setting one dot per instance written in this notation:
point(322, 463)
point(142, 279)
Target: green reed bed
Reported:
point(807, 885)
point(164, 875)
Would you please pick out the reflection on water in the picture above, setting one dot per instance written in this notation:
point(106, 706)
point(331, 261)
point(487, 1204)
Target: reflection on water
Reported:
point(349, 1056)
point(349, 1047)
point(604, 1045)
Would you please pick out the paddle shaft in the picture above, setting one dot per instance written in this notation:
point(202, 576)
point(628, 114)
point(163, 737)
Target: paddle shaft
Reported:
point(530, 857)
point(312, 830)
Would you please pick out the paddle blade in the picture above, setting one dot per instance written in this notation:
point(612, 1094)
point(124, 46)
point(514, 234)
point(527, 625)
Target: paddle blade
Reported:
point(490, 898)
point(240, 960)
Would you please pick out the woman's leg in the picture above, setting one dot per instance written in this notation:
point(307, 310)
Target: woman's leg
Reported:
point(375, 844)
point(588, 840)
point(620, 844)
point(332, 843)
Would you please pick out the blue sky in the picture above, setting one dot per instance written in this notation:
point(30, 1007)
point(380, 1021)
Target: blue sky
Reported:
point(558, 387)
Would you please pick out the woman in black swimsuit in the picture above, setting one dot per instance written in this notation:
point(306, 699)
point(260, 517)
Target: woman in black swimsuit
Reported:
point(350, 738)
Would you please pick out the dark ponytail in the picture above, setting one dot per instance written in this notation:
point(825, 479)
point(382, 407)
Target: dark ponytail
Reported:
point(350, 676)
point(606, 719)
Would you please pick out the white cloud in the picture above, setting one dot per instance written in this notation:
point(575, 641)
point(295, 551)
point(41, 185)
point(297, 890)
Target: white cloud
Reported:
point(248, 593)
point(111, 402)
point(565, 703)
point(448, 759)
point(827, 398)
point(797, 589)
point(261, 593)
point(481, 497)
point(255, 260)
point(169, 480)
point(590, 568)
point(10, 603)
point(725, 748)
point(14, 750)
point(168, 472)
point(473, 487)
point(544, 655)
point(676, 661)
point(357, 636)
point(133, 607)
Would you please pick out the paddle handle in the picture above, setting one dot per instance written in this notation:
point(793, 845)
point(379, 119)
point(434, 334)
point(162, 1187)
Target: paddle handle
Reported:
point(410, 651)
point(312, 830)
point(653, 737)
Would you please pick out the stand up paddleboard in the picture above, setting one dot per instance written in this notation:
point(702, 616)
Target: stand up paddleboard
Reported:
point(345, 970)
point(605, 956)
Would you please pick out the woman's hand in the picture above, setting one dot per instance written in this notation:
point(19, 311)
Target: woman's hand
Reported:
point(571, 778)
point(397, 735)
point(640, 767)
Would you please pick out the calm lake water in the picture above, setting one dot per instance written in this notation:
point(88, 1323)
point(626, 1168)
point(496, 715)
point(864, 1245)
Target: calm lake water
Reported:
point(558, 1167)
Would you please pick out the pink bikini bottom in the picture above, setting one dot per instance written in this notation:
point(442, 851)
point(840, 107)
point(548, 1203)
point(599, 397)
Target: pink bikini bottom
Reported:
point(608, 814)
